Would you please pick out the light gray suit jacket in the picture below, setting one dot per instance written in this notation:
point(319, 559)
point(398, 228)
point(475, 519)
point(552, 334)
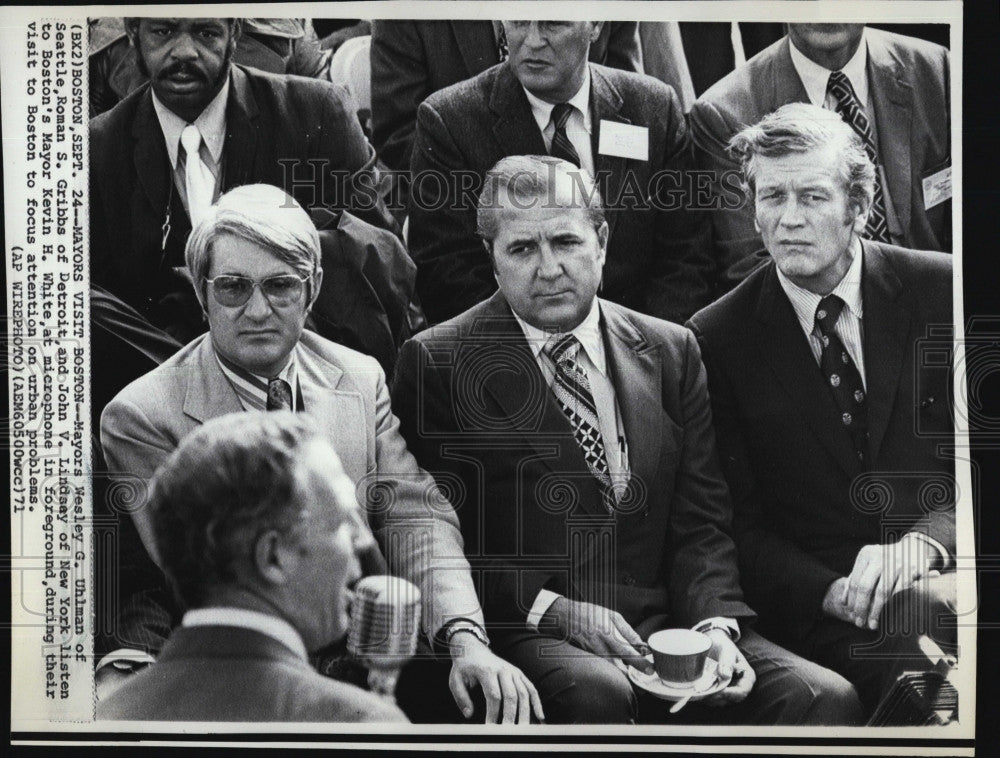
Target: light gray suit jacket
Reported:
point(345, 392)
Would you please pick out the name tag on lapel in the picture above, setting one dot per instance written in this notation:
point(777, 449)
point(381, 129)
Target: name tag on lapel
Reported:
point(937, 188)
point(623, 140)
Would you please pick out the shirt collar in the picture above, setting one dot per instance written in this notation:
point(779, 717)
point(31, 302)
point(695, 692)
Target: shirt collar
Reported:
point(815, 77)
point(588, 332)
point(274, 627)
point(211, 122)
point(848, 289)
point(252, 388)
point(542, 111)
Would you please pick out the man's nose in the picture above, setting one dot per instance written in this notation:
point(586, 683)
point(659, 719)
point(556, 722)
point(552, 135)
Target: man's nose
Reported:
point(534, 36)
point(184, 48)
point(549, 263)
point(791, 213)
point(258, 306)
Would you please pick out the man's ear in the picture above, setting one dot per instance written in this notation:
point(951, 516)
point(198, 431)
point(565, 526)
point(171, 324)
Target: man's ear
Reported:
point(271, 557)
point(132, 30)
point(317, 282)
point(602, 237)
point(237, 29)
point(595, 30)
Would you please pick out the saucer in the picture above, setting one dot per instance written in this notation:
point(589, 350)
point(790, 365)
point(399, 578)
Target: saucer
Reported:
point(707, 685)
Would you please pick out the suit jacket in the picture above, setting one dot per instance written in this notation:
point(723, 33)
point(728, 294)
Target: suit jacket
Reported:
point(413, 59)
point(476, 410)
point(803, 504)
point(658, 258)
point(220, 673)
point(275, 125)
point(346, 393)
point(908, 81)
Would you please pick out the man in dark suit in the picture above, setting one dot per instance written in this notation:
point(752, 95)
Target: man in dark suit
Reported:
point(414, 59)
point(626, 130)
point(273, 586)
point(897, 90)
point(243, 127)
point(575, 437)
point(832, 410)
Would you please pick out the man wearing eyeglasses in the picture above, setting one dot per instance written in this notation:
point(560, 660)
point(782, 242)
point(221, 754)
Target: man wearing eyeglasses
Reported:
point(255, 260)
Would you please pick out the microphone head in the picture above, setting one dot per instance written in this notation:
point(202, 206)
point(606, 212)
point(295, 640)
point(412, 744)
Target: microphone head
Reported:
point(385, 619)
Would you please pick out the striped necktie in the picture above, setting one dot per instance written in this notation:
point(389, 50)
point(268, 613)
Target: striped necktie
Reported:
point(850, 110)
point(279, 395)
point(561, 146)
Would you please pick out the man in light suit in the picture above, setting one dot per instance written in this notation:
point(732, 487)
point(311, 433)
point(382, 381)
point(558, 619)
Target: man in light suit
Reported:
point(273, 587)
point(576, 436)
point(245, 126)
point(626, 130)
point(899, 84)
point(255, 256)
point(832, 410)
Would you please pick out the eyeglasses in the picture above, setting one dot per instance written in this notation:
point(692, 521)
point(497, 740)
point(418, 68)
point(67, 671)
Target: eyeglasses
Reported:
point(233, 291)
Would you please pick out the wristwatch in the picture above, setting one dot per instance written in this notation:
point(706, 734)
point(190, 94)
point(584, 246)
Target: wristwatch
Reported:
point(710, 624)
point(465, 625)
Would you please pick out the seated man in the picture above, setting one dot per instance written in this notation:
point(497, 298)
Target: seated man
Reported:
point(255, 257)
point(579, 435)
point(627, 130)
point(892, 89)
point(256, 526)
point(829, 421)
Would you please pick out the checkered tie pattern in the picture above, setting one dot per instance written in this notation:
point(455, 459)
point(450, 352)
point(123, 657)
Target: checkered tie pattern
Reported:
point(842, 376)
point(850, 110)
point(279, 395)
point(561, 146)
point(572, 391)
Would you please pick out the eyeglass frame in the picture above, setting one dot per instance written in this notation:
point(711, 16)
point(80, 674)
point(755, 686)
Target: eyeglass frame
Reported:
point(256, 284)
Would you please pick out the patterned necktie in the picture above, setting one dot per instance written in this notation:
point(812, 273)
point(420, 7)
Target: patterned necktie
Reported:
point(279, 395)
point(198, 180)
point(572, 391)
point(842, 376)
point(561, 146)
point(502, 50)
point(850, 110)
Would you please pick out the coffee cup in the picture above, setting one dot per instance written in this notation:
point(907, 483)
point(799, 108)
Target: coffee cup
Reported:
point(679, 655)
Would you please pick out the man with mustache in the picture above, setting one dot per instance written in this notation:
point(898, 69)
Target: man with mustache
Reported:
point(202, 125)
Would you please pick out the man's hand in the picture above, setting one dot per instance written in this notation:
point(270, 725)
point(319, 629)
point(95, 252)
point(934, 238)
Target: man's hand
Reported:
point(882, 570)
point(833, 601)
point(510, 697)
point(597, 630)
point(732, 663)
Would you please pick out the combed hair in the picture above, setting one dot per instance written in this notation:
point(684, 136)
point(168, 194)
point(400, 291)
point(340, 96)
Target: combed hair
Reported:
point(227, 482)
point(799, 128)
point(264, 215)
point(528, 179)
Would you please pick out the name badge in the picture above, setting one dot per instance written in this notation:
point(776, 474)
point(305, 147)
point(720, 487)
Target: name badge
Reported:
point(624, 140)
point(937, 188)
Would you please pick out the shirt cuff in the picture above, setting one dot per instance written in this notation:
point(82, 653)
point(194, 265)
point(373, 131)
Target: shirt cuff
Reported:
point(944, 557)
point(125, 654)
point(540, 607)
point(731, 626)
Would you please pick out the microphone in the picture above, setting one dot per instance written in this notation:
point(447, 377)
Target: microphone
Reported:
point(385, 619)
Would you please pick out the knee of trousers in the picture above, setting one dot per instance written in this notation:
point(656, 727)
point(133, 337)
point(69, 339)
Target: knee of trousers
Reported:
point(589, 691)
point(819, 696)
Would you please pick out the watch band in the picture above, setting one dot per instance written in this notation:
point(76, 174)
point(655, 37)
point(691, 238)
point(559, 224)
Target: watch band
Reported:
point(465, 625)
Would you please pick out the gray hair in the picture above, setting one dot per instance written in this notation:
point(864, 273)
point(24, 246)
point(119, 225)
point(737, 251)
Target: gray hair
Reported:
point(525, 180)
point(264, 215)
point(798, 128)
point(227, 482)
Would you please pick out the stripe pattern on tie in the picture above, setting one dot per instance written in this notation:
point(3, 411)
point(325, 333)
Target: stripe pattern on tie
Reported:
point(842, 376)
point(572, 390)
point(851, 111)
point(279, 395)
point(561, 146)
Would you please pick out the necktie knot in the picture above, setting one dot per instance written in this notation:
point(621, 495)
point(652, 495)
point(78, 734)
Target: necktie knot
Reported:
point(279, 395)
point(560, 114)
point(191, 140)
point(827, 312)
point(840, 86)
point(562, 348)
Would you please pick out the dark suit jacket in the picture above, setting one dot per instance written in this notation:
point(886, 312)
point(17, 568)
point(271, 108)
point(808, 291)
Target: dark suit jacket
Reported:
point(413, 59)
point(909, 86)
point(657, 261)
point(221, 673)
point(803, 505)
point(477, 413)
point(269, 120)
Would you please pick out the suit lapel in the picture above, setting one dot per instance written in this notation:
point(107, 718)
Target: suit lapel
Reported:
point(152, 164)
point(476, 45)
point(606, 105)
point(786, 83)
point(209, 393)
point(893, 101)
point(886, 324)
point(785, 347)
point(514, 128)
point(636, 374)
point(242, 133)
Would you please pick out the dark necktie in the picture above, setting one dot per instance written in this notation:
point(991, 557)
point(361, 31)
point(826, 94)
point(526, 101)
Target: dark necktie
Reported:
point(279, 395)
point(842, 376)
point(572, 390)
point(850, 110)
point(502, 51)
point(561, 146)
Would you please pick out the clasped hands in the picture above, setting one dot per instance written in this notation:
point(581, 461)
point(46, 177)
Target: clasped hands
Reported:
point(879, 572)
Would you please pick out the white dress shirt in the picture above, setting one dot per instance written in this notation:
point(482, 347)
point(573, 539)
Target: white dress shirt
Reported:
point(272, 626)
point(578, 127)
point(251, 389)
